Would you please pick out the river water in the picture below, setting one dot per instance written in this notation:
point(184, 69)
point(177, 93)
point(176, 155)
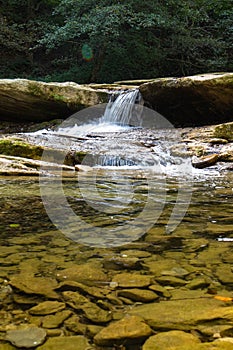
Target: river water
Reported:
point(136, 206)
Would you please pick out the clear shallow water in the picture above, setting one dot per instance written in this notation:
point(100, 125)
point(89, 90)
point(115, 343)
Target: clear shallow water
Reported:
point(118, 199)
point(35, 256)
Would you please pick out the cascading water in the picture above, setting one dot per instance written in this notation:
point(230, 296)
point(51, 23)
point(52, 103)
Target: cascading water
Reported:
point(125, 133)
point(123, 108)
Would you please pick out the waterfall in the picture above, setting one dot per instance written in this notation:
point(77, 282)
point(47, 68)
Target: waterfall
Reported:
point(124, 108)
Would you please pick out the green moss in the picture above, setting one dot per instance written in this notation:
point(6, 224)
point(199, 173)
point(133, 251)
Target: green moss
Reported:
point(19, 148)
point(224, 131)
point(48, 93)
point(57, 97)
point(35, 89)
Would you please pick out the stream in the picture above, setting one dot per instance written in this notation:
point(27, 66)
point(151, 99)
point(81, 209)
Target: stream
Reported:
point(137, 209)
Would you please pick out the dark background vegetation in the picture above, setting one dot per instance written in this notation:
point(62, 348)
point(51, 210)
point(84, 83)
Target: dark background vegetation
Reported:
point(104, 41)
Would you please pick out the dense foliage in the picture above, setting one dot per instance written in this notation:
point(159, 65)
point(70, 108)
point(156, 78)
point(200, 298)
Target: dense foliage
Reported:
point(105, 41)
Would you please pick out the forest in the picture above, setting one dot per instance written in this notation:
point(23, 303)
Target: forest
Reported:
point(104, 41)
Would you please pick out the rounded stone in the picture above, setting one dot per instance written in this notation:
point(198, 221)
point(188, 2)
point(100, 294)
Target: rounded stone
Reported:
point(29, 337)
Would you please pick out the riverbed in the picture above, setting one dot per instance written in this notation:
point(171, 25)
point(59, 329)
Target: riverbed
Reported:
point(108, 260)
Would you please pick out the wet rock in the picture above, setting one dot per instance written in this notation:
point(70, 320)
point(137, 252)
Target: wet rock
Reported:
point(224, 131)
point(28, 337)
point(136, 294)
point(7, 250)
point(121, 262)
point(195, 244)
point(73, 324)
point(54, 321)
point(226, 153)
point(215, 331)
point(184, 314)
point(157, 264)
point(19, 147)
point(198, 283)
point(160, 290)
point(176, 272)
point(86, 274)
point(92, 330)
point(83, 168)
point(219, 229)
point(6, 293)
point(53, 332)
point(135, 253)
point(206, 161)
point(225, 339)
point(218, 141)
point(21, 166)
point(224, 345)
point(170, 340)
point(6, 347)
point(226, 156)
point(131, 280)
point(91, 310)
point(27, 100)
point(35, 285)
point(82, 288)
point(225, 274)
point(47, 307)
point(181, 294)
point(203, 99)
point(77, 342)
point(129, 330)
point(25, 299)
point(171, 281)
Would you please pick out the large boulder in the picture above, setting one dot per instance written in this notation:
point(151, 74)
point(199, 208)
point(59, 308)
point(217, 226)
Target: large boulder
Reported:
point(193, 100)
point(26, 100)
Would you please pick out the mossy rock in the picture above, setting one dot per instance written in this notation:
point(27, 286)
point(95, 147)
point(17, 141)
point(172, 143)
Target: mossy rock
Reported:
point(20, 148)
point(224, 131)
point(24, 100)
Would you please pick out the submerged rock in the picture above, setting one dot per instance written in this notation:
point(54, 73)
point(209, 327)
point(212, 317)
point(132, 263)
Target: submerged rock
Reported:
point(7, 347)
point(172, 339)
point(184, 314)
point(35, 285)
point(92, 312)
point(77, 342)
point(129, 330)
point(54, 321)
point(28, 337)
point(130, 280)
point(86, 274)
point(137, 294)
point(47, 307)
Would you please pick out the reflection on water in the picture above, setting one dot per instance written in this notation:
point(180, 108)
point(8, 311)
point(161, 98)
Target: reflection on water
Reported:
point(116, 199)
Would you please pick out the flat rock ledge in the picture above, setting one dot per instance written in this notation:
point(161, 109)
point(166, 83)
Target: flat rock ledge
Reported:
point(191, 101)
point(186, 101)
point(27, 100)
